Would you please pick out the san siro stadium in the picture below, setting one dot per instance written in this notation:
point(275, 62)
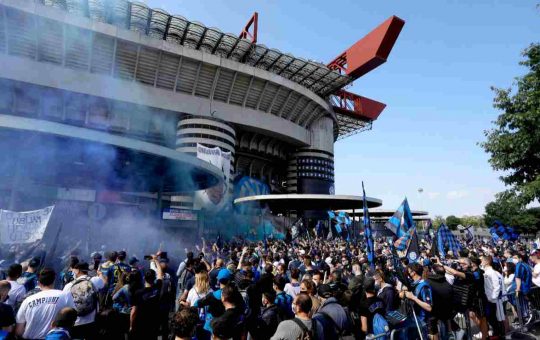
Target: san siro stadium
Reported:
point(109, 104)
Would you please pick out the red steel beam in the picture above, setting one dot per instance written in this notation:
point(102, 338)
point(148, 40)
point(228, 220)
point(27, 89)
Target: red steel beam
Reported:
point(371, 51)
point(358, 107)
point(246, 34)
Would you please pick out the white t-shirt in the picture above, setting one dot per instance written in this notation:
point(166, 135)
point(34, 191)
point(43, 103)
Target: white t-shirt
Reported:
point(39, 310)
point(292, 289)
point(16, 294)
point(98, 285)
point(193, 296)
point(536, 271)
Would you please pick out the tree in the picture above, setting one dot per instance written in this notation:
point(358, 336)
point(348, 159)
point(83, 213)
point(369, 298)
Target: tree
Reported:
point(508, 209)
point(438, 220)
point(514, 143)
point(452, 222)
point(477, 221)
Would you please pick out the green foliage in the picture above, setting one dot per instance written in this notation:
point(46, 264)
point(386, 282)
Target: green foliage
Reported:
point(514, 142)
point(509, 209)
point(477, 221)
point(452, 222)
point(438, 220)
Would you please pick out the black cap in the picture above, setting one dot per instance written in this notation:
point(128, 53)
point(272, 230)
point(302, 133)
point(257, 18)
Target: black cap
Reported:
point(325, 291)
point(133, 261)
point(82, 266)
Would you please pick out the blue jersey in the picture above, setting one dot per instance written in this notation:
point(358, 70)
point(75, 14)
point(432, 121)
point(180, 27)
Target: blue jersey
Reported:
point(422, 290)
point(284, 302)
point(523, 272)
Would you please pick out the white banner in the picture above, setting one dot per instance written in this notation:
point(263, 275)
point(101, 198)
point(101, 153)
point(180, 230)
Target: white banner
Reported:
point(23, 227)
point(215, 198)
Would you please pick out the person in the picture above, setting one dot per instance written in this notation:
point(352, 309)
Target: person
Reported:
point(84, 291)
point(230, 323)
point(283, 300)
point(37, 312)
point(293, 288)
point(120, 271)
point(535, 259)
point(442, 294)
point(494, 288)
point(17, 291)
point(187, 274)
point(269, 318)
point(62, 325)
point(167, 293)
point(218, 265)
point(300, 325)
point(386, 292)
point(422, 300)
point(199, 290)
point(29, 278)
point(145, 313)
point(308, 287)
point(213, 300)
point(184, 323)
point(7, 315)
point(522, 283)
point(66, 275)
point(316, 277)
point(331, 320)
point(372, 305)
point(123, 298)
point(107, 269)
point(94, 266)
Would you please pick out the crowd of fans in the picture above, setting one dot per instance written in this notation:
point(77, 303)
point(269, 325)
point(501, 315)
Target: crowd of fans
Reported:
point(309, 288)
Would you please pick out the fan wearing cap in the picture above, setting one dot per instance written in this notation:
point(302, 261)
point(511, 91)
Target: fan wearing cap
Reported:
point(37, 311)
point(331, 316)
point(85, 324)
point(213, 300)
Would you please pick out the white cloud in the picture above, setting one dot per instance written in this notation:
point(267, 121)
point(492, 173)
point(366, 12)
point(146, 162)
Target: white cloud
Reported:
point(433, 195)
point(457, 194)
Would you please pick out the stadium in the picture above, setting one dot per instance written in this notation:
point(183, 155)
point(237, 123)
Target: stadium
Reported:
point(111, 104)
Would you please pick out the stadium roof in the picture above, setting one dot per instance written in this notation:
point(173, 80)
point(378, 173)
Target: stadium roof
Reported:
point(382, 213)
point(157, 23)
point(302, 202)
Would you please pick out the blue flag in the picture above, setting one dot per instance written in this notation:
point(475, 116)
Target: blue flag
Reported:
point(370, 249)
point(447, 241)
point(401, 221)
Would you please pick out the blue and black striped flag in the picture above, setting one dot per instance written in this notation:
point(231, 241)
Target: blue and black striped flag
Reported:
point(370, 247)
point(401, 221)
point(446, 241)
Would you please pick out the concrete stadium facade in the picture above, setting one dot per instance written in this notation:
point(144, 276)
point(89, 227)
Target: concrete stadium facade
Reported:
point(123, 69)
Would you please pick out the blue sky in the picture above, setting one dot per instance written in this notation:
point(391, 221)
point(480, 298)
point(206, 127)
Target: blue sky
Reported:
point(436, 84)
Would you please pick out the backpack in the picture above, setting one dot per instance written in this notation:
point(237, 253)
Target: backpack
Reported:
point(342, 334)
point(306, 333)
point(380, 326)
point(84, 296)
